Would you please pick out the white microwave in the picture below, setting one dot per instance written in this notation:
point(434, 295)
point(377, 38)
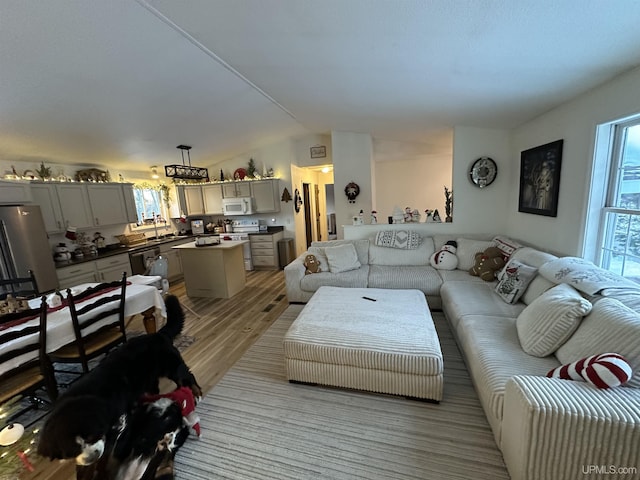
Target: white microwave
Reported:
point(237, 206)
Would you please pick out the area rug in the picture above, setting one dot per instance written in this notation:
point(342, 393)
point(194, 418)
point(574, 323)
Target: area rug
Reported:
point(256, 425)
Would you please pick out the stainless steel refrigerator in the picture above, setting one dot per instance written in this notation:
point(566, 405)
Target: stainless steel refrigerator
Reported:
point(24, 246)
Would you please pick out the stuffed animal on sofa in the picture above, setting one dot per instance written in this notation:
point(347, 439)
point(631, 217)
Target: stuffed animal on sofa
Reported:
point(487, 263)
point(445, 258)
point(311, 265)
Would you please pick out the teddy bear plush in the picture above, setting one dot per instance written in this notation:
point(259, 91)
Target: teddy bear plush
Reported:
point(487, 263)
point(445, 258)
point(311, 265)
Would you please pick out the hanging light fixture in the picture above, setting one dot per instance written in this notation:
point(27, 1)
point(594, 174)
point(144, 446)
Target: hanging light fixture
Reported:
point(186, 172)
point(154, 172)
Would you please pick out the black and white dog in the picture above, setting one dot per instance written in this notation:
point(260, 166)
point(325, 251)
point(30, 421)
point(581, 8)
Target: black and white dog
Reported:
point(92, 414)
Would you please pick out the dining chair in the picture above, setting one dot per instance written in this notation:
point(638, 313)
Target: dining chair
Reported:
point(98, 325)
point(24, 362)
point(24, 287)
point(159, 266)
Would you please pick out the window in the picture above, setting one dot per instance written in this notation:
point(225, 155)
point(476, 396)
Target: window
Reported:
point(620, 217)
point(150, 203)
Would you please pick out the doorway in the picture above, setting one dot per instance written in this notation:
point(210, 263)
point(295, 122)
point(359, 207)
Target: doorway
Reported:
point(308, 226)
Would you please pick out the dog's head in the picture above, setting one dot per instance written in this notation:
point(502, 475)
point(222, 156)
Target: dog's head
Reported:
point(76, 428)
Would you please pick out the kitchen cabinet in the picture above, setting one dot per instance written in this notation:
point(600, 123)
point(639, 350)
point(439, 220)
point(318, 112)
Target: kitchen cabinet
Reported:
point(129, 203)
point(173, 258)
point(264, 250)
point(190, 199)
point(236, 189)
point(106, 269)
point(107, 204)
point(15, 192)
point(266, 195)
point(46, 196)
point(212, 198)
point(74, 203)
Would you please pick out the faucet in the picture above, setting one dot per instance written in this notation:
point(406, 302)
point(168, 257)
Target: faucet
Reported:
point(155, 224)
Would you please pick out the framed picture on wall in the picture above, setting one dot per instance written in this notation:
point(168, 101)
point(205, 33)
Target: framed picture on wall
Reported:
point(318, 152)
point(540, 179)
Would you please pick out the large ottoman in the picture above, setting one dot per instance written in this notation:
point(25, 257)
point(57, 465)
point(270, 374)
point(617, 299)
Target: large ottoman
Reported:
point(369, 339)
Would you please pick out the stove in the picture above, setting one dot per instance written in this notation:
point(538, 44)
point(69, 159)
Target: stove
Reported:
point(246, 225)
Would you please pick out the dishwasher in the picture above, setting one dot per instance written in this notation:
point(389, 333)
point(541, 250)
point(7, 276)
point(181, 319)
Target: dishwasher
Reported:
point(140, 260)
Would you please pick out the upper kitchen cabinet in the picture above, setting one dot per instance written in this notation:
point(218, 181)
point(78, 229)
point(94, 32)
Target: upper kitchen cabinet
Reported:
point(45, 195)
point(107, 204)
point(129, 203)
point(266, 195)
point(236, 189)
point(15, 192)
point(190, 199)
point(212, 197)
point(74, 203)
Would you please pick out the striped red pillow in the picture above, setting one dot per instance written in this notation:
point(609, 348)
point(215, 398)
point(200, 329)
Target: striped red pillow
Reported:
point(602, 371)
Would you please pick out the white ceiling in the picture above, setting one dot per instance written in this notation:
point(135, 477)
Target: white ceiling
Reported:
point(123, 82)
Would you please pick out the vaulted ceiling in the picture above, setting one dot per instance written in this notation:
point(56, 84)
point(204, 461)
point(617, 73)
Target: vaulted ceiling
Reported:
point(123, 82)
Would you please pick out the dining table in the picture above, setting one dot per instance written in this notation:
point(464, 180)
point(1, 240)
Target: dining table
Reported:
point(140, 298)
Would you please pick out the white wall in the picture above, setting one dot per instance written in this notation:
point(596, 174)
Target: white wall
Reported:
point(575, 122)
point(480, 210)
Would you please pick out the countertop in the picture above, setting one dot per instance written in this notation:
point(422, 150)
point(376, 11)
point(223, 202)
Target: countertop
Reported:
point(218, 246)
point(116, 249)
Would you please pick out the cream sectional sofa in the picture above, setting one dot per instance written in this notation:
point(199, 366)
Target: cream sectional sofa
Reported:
point(546, 428)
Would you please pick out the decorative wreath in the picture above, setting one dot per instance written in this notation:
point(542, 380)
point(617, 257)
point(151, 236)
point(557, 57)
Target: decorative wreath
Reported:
point(297, 200)
point(352, 190)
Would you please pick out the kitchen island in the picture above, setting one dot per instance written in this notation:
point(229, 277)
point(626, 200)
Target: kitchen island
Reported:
point(215, 271)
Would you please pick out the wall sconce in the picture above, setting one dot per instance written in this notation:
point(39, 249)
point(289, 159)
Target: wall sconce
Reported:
point(154, 172)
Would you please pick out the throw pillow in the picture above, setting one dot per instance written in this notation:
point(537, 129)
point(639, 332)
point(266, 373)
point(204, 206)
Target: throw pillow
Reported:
point(585, 276)
point(549, 321)
point(342, 258)
point(606, 370)
point(506, 245)
point(513, 280)
point(467, 250)
point(610, 327)
point(404, 239)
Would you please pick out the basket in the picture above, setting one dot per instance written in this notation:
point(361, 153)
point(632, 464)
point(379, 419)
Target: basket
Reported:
point(133, 239)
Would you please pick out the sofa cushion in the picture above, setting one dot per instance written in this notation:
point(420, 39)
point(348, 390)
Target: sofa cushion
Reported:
point(514, 280)
point(606, 370)
point(396, 257)
point(467, 249)
point(539, 284)
point(403, 239)
point(362, 247)
point(342, 258)
point(460, 299)
point(550, 320)
point(458, 276)
point(352, 279)
point(493, 355)
point(610, 327)
point(425, 279)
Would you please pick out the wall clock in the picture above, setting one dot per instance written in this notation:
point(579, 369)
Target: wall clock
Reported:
point(483, 172)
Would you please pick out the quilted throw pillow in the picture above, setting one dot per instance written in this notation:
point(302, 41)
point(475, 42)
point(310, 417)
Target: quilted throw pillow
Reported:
point(402, 239)
point(606, 370)
point(514, 280)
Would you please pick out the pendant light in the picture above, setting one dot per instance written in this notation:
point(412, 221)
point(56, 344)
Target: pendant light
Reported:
point(186, 172)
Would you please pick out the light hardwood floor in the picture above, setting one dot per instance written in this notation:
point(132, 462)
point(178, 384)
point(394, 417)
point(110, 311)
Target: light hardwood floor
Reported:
point(225, 330)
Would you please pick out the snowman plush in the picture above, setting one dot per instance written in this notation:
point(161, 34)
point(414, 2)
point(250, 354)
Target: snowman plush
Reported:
point(445, 258)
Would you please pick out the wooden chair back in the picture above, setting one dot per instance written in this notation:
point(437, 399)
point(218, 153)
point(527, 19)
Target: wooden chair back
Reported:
point(24, 287)
point(99, 325)
point(24, 363)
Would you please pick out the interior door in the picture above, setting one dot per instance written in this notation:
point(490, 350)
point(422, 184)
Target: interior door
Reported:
point(308, 218)
point(316, 191)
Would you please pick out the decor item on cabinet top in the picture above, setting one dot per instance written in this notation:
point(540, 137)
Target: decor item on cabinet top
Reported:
point(436, 216)
point(448, 204)
point(352, 190)
point(428, 216)
point(93, 175)
point(44, 171)
point(398, 215)
point(186, 172)
point(374, 218)
point(251, 170)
